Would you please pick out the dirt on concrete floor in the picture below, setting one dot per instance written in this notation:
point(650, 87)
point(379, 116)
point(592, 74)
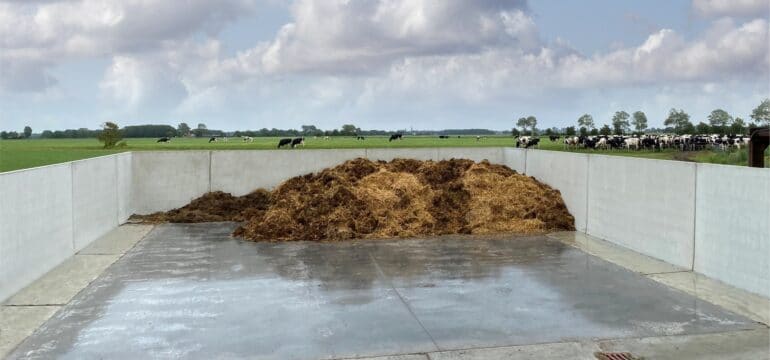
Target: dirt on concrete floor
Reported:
point(401, 198)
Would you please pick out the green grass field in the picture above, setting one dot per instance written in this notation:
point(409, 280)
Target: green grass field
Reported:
point(20, 154)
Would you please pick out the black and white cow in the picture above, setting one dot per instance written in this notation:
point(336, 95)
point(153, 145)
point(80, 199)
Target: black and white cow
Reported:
point(284, 141)
point(398, 136)
point(164, 139)
point(297, 141)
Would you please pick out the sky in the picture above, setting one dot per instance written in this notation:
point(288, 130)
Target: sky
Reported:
point(378, 64)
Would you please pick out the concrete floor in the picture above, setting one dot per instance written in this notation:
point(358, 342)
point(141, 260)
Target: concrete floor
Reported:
point(192, 291)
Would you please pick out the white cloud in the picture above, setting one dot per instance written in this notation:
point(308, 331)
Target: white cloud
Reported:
point(738, 8)
point(726, 52)
point(130, 82)
point(35, 36)
point(362, 36)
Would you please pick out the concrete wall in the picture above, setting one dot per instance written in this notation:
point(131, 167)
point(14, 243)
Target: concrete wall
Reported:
point(516, 159)
point(36, 223)
point(51, 212)
point(710, 218)
point(94, 199)
point(732, 226)
point(240, 172)
point(125, 192)
point(495, 155)
point(164, 180)
point(567, 172)
point(645, 205)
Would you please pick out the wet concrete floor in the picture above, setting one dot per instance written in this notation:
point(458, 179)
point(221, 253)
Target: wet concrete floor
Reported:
point(192, 291)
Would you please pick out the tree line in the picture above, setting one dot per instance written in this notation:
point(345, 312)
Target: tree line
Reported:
point(201, 130)
point(678, 121)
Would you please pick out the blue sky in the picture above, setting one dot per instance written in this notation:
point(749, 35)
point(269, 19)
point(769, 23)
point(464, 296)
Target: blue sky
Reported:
point(384, 64)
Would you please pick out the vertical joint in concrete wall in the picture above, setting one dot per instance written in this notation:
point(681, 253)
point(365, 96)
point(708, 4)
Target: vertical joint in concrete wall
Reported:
point(694, 212)
point(210, 161)
point(72, 204)
point(525, 161)
point(588, 181)
point(117, 188)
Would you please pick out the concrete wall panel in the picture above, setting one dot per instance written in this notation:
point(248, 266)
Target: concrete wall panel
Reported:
point(566, 172)
point(495, 155)
point(94, 199)
point(240, 172)
point(732, 226)
point(163, 180)
point(645, 205)
point(123, 166)
point(405, 153)
point(35, 224)
point(515, 159)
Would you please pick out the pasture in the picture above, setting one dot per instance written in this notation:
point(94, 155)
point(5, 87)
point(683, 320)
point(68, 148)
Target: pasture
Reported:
point(21, 154)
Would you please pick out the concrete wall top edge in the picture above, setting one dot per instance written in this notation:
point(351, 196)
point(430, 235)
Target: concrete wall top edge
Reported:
point(36, 168)
point(63, 163)
point(732, 167)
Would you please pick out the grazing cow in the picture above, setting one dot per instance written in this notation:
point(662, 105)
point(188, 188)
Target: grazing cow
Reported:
point(523, 140)
point(571, 141)
point(396, 137)
point(443, 136)
point(284, 141)
point(532, 142)
point(247, 138)
point(527, 141)
point(327, 138)
point(298, 141)
point(632, 142)
point(553, 138)
point(360, 138)
point(164, 139)
point(212, 139)
point(602, 143)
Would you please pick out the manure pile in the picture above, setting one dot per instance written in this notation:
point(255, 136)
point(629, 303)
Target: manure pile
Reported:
point(402, 198)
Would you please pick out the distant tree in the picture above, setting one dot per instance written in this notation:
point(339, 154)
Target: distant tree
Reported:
point(639, 121)
point(46, 134)
point(688, 128)
point(3, 134)
point(110, 135)
point(679, 120)
point(523, 124)
point(569, 131)
point(349, 130)
point(311, 130)
point(27, 132)
point(720, 120)
point(200, 130)
point(532, 122)
point(605, 130)
point(548, 132)
point(738, 126)
point(183, 129)
point(594, 132)
point(583, 131)
point(148, 131)
point(762, 112)
point(620, 122)
point(586, 121)
point(515, 132)
point(702, 128)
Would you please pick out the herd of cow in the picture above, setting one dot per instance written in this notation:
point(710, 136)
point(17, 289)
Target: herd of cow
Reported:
point(648, 142)
point(600, 142)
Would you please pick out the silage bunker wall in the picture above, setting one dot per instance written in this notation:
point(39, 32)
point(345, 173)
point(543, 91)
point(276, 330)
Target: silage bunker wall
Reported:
point(711, 218)
point(51, 212)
